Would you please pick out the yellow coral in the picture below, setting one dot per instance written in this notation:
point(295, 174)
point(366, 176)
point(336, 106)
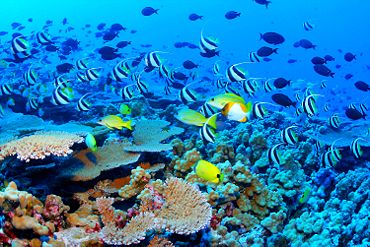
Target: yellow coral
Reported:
point(40, 145)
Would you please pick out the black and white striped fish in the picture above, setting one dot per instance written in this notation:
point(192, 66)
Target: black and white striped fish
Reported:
point(267, 86)
point(363, 109)
point(152, 59)
point(288, 136)
point(81, 76)
point(308, 26)
point(32, 104)
point(309, 105)
point(92, 74)
point(273, 154)
point(207, 110)
point(82, 104)
point(142, 86)
point(331, 157)
point(230, 89)
point(250, 86)
point(60, 81)
point(356, 148)
point(352, 106)
point(207, 134)
point(30, 77)
point(19, 45)
point(119, 72)
point(6, 89)
point(323, 84)
point(334, 121)
point(216, 69)
point(207, 44)
point(59, 96)
point(126, 93)
point(254, 58)
point(164, 71)
point(186, 95)
point(317, 147)
point(297, 97)
point(43, 38)
point(167, 89)
point(81, 64)
point(326, 107)
point(220, 83)
point(259, 111)
point(298, 111)
point(234, 74)
point(327, 159)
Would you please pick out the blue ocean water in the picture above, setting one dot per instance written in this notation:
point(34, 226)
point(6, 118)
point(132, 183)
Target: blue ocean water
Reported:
point(303, 162)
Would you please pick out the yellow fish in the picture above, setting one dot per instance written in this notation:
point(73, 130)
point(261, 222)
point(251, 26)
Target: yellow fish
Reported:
point(91, 142)
point(115, 122)
point(237, 111)
point(219, 101)
point(124, 109)
point(209, 172)
point(191, 117)
point(306, 194)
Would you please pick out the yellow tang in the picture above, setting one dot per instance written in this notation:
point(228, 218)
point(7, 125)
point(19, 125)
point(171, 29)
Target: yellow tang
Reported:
point(124, 109)
point(219, 101)
point(209, 172)
point(189, 116)
point(91, 142)
point(115, 122)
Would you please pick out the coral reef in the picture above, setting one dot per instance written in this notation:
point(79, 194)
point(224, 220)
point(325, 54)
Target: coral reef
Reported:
point(40, 145)
point(107, 157)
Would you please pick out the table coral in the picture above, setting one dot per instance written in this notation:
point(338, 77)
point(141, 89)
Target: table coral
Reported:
point(40, 145)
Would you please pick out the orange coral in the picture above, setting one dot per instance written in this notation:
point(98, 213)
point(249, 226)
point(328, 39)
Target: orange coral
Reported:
point(160, 242)
point(40, 145)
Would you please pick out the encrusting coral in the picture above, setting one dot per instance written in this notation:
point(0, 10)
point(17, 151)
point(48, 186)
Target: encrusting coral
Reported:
point(40, 145)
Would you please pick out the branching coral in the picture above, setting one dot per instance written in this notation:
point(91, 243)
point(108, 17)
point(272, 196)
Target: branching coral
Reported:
point(184, 211)
point(40, 145)
point(149, 134)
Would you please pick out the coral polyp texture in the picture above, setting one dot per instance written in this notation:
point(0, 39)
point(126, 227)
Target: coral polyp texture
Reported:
point(40, 145)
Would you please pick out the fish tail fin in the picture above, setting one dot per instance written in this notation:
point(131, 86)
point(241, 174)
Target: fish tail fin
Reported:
point(275, 50)
point(211, 121)
point(156, 11)
point(249, 106)
point(261, 35)
point(295, 104)
point(128, 124)
point(217, 53)
point(314, 47)
point(332, 74)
